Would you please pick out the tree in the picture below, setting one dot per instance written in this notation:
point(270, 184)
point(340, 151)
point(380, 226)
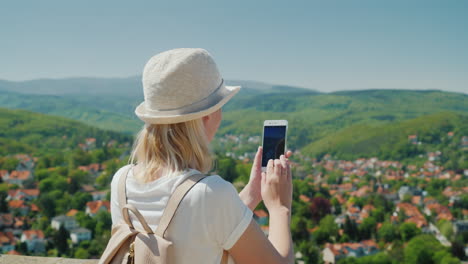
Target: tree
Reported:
point(319, 208)
point(423, 249)
point(3, 202)
point(310, 252)
point(227, 168)
point(299, 230)
point(367, 228)
point(80, 199)
point(327, 231)
point(104, 222)
point(408, 231)
point(81, 253)
point(388, 232)
point(61, 240)
point(351, 229)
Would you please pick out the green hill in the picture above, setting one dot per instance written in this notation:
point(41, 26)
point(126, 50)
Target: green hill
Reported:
point(312, 115)
point(27, 132)
point(107, 113)
point(390, 141)
point(315, 116)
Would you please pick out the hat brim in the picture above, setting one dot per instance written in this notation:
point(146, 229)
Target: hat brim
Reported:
point(191, 112)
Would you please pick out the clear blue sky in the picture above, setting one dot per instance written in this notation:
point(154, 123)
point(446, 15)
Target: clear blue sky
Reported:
point(325, 45)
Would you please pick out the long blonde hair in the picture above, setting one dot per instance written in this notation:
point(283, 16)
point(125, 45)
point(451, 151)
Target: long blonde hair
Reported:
point(172, 148)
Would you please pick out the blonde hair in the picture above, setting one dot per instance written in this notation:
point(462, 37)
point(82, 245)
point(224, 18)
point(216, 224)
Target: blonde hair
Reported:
point(172, 148)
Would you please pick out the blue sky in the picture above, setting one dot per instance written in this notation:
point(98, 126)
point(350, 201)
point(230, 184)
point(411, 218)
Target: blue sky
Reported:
point(324, 45)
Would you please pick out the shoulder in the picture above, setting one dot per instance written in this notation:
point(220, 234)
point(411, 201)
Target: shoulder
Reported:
point(216, 184)
point(215, 191)
point(119, 173)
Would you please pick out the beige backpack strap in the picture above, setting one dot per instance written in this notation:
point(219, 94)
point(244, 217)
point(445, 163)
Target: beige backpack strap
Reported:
point(125, 207)
point(137, 213)
point(122, 190)
point(174, 202)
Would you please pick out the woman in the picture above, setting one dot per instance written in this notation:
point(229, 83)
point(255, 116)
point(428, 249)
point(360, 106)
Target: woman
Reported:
point(184, 93)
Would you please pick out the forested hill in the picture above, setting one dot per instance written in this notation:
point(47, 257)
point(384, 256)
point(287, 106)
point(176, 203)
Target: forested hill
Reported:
point(38, 134)
point(390, 141)
point(312, 115)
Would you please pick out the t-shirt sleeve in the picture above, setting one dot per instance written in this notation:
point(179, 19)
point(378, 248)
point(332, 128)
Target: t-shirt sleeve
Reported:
point(116, 213)
point(227, 216)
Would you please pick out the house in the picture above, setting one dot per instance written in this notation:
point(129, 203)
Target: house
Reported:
point(304, 198)
point(98, 195)
point(464, 143)
point(93, 207)
point(412, 214)
point(19, 206)
point(261, 216)
point(34, 240)
point(460, 226)
point(80, 234)
point(92, 169)
point(408, 191)
point(23, 194)
point(413, 139)
point(442, 212)
point(72, 212)
point(7, 242)
point(334, 252)
point(66, 221)
point(4, 174)
point(26, 162)
point(18, 177)
point(88, 188)
point(6, 220)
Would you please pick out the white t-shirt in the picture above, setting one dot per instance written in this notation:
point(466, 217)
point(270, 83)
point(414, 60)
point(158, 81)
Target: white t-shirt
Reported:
point(210, 218)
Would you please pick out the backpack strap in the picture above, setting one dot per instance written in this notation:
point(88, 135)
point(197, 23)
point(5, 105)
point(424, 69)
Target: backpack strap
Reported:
point(125, 207)
point(122, 189)
point(174, 202)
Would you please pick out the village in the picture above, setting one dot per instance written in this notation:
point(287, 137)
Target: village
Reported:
point(419, 199)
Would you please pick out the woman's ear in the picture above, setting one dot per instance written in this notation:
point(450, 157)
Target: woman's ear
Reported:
point(206, 119)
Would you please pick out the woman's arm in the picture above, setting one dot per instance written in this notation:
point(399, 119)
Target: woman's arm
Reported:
point(251, 194)
point(253, 246)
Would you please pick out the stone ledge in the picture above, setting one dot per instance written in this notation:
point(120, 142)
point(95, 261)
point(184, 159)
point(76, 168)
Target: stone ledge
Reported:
point(10, 259)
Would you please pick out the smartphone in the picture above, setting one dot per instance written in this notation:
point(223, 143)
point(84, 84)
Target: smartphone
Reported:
point(274, 140)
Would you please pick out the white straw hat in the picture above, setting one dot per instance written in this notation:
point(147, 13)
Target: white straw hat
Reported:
point(181, 85)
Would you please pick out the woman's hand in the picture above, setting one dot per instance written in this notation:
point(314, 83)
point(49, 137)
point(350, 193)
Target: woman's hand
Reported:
point(251, 195)
point(277, 185)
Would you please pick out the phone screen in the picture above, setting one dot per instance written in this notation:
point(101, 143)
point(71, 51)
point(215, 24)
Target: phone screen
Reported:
point(273, 143)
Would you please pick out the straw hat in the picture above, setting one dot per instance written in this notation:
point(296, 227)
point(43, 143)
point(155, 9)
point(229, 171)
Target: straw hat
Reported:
point(181, 85)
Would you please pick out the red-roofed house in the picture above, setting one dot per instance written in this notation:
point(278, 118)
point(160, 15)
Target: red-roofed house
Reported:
point(412, 213)
point(72, 213)
point(4, 174)
point(93, 207)
point(7, 242)
point(34, 240)
point(334, 252)
point(304, 198)
point(18, 177)
point(413, 139)
point(6, 220)
point(19, 205)
point(23, 194)
point(441, 211)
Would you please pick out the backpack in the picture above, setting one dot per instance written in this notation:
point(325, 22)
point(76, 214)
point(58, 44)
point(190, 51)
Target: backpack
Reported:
point(128, 245)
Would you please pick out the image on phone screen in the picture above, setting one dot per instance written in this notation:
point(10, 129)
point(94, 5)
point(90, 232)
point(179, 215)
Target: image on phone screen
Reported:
point(273, 143)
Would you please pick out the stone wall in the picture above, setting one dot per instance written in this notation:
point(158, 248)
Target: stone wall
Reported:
point(10, 259)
